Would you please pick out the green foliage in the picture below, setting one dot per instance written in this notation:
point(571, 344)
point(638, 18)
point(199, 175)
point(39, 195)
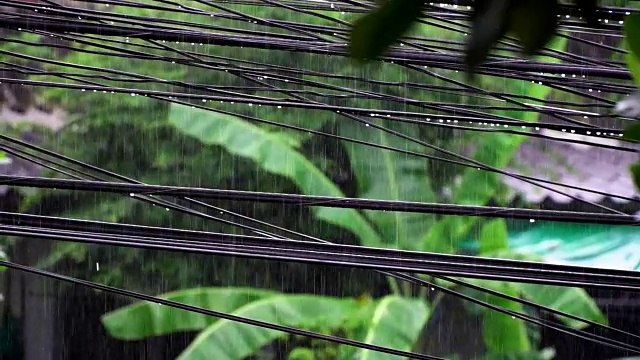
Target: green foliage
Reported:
point(275, 153)
point(631, 30)
point(144, 319)
point(574, 301)
point(151, 141)
point(231, 340)
point(634, 66)
point(395, 176)
point(502, 333)
point(392, 321)
point(390, 176)
point(396, 322)
point(494, 236)
point(301, 353)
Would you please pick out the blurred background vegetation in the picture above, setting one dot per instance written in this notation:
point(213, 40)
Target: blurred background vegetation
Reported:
point(158, 142)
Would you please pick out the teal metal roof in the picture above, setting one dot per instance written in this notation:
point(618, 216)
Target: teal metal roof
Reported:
point(603, 246)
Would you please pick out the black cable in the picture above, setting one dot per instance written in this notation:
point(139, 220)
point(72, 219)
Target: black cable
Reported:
point(400, 57)
point(144, 231)
point(541, 322)
point(472, 163)
point(218, 314)
point(313, 106)
point(323, 201)
point(369, 258)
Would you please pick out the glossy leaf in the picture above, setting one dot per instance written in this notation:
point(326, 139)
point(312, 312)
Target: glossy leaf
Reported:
point(574, 301)
point(274, 153)
point(494, 236)
point(373, 33)
point(232, 340)
point(390, 175)
point(397, 323)
point(534, 22)
point(501, 332)
point(145, 319)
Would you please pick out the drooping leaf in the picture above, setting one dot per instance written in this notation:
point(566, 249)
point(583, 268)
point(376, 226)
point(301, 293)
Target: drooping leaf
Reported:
point(534, 22)
point(234, 341)
point(501, 332)
point(390, 175)
point(397, 323)
point(145, 319)
point(373, 33)
point(274, 154)
point(494, 236)
point(632, 33)
point(574, 301)
point(489, 24)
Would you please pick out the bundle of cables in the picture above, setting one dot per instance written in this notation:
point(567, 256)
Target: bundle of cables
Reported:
point(421, 153)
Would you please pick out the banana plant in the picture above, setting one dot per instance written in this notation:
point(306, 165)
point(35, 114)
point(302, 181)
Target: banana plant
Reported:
point(391, 321)
point(505, 334)
point(273, 152)
point(392, 176)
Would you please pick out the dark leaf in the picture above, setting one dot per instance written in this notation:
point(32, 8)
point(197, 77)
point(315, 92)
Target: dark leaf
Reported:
point(489, 20)
point(634, 67)
point(632, 33)
point(632, 132)
point(373, 33)
point(589, 10)
point(635, 173)
point(534, 22)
